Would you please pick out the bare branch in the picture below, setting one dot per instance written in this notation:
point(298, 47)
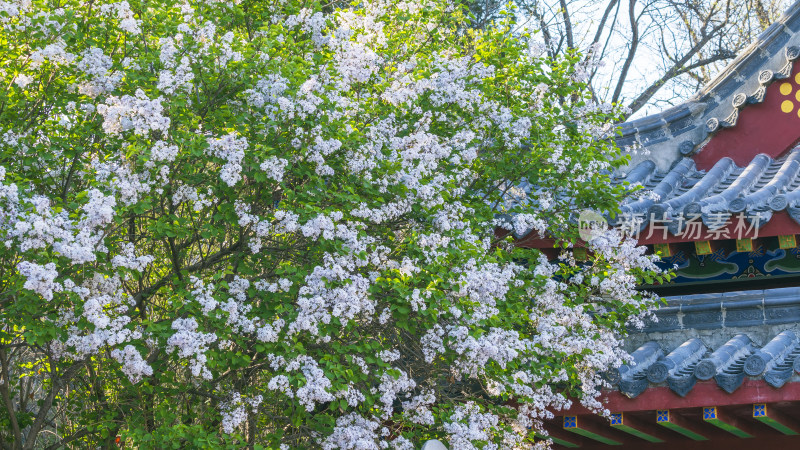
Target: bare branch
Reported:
point(567, 25)
point(674, 71)
point(631, 51)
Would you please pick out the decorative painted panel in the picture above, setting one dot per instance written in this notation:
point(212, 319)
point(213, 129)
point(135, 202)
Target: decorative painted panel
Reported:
point(722, 264)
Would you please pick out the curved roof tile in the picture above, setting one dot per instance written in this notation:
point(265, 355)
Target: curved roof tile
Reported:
point(728, 365)
point(683, 129)
point(682, 193)
point(717, 336)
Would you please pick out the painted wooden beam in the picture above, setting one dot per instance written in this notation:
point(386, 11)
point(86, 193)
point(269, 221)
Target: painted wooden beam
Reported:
point(631, 426)
point(665, 250)
point(787, 241)
point(775, 419)
point(560, 439)
point(780, 224)
point(704, 247)
point(744, 245)
point(578, 425)
point(747, 245)
point(714, 416)
point(704, 393)
point(678, 424)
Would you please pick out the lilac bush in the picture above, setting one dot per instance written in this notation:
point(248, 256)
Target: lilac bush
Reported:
point(281, 225)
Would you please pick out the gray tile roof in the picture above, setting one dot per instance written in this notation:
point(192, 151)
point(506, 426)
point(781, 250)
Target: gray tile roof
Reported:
point(725, 336)
point(683, 129)
point(764, 186)
point(769, 309)
point(728, 364)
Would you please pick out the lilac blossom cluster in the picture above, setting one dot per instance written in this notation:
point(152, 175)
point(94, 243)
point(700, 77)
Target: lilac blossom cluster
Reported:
point(299, 219)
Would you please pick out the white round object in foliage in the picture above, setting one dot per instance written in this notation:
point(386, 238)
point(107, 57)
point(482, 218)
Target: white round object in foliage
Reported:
point(434, 444)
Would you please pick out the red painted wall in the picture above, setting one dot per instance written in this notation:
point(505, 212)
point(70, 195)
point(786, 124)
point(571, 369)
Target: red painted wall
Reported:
point(779, 224)
point(762, 128)
point(705, 393)
point(737, 228)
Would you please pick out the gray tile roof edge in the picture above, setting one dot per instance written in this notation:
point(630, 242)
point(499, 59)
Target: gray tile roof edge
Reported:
point(688, 126)
point(685, 313)
point(726, 192)
point(729, 364)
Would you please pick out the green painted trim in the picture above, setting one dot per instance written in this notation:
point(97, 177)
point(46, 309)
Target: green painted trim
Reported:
point(786, 242)
point(744, 245)
point(728, 427)
point(777, 425)
point(637, 433)
point(595, 436)
point(701, 282)
point(702, 248)
point(684, 431)
point(662, 250)
point(557, 441)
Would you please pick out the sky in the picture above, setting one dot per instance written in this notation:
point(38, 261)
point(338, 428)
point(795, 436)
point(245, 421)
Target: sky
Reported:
point(660, 29)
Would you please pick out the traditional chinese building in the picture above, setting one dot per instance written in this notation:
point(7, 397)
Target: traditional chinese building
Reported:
point(721, 367)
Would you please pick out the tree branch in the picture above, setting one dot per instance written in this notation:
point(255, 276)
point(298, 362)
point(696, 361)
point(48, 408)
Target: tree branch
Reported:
point(64, 441)
point(631, 52)
point(678, 68)
point(567, 25)
point(57, 384)
point(7, 400)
